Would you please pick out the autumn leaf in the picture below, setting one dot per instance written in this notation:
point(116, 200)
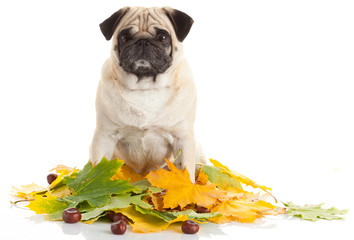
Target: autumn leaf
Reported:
point(48, 205)
point(145, 186)
point(28, 191)
point(172, 215)
point(62, 171)
point(146, 223)
point(314, 212)
point(91, 214)
point(242, 211)
point(143, 223)
point(56, 187)
point(93, 184)
point(60, 191)
point(157, 201)
point(148, 220)
point(61, 168)
point(180, 190)
point(127, 173)
point(241, 178)
point(222, 180)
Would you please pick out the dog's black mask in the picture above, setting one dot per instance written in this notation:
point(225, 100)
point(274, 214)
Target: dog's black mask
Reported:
point(144, 57)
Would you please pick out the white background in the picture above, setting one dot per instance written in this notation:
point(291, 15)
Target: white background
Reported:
point(275, 102)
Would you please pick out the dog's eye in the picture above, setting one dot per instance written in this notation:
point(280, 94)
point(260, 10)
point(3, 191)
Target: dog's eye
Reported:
point(124, 39)
point(162, 37)
point(124, 36)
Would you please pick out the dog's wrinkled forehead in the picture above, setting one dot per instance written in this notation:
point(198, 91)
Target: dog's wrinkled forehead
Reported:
point(144, 21)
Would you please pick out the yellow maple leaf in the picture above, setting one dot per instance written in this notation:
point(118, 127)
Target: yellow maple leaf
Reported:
point(126, 172)
point(28, 191)
point(242, 211)
point(181, 191)
point(144, 223)
point(46, 205)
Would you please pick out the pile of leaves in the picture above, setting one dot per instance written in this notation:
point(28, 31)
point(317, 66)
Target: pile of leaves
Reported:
point(154, 201)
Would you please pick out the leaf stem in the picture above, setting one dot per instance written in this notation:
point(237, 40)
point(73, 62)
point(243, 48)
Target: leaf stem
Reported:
point(23, 200)
point(264, 189)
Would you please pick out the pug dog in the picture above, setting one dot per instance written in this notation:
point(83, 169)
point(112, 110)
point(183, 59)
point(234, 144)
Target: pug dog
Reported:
point(146, 98)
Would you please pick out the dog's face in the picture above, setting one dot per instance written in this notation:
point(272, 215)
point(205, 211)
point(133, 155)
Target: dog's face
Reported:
point(146, 40)
point(144, 53)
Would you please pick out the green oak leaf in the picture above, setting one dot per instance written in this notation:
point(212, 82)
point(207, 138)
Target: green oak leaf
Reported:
point(93, 184)
point(222, 180)
point(314, 212)
point(169, 216)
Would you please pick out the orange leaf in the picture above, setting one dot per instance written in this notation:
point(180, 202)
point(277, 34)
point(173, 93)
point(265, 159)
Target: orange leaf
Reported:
point(181, 191)
point(202, 178)
point(157, 201)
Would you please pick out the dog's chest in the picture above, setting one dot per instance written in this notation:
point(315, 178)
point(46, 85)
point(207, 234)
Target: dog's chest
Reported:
point(144, 108)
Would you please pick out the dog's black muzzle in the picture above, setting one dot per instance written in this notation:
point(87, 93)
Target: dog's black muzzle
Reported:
point(144, 58)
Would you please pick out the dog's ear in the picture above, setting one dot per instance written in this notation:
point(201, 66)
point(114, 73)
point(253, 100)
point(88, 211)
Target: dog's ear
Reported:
point(109, 25)
point(181, 22)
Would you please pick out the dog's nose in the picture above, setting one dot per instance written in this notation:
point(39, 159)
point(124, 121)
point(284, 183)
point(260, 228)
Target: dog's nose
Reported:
point(143, 42)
